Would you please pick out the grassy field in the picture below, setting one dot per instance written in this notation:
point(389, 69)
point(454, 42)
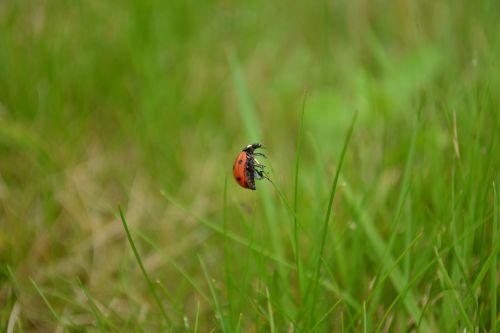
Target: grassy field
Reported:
point(119, 124)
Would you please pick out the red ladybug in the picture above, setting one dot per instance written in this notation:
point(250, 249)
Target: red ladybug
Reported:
point(246, 168)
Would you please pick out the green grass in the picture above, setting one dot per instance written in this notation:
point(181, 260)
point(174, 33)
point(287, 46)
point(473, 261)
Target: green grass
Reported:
point(380, 123)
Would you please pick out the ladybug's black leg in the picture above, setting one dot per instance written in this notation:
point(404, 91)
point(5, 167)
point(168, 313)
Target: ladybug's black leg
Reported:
point(259, 174)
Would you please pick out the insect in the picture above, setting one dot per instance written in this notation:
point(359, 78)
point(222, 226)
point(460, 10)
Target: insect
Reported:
point(246, 168)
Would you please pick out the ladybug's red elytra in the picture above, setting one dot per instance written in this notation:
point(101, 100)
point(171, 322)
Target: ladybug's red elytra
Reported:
point(246, 168)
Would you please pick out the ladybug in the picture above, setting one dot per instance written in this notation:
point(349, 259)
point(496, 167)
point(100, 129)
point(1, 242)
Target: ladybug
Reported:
point(246, 168)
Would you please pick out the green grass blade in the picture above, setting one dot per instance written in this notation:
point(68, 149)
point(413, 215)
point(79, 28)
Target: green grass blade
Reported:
point(344, 295)
point(270, 312)
point(403, 193)
point(177, 267)
point(322, 319)
point(231, 235)
point(238, 323)
point(219, 314)
point(296, 197)
point(449, 284)
point(324, 229)
point(491, 260)
point(145, 274)
point(49, 306)
point(378, 244)
point(388, 273)
point(259, 250)
point(230, 294)
point(470, 290)
point(197, 318)
point(495, 244)
point(102, 323)
point(365, 320)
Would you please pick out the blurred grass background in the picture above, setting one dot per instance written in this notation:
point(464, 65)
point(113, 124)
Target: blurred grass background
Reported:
point(107, 103)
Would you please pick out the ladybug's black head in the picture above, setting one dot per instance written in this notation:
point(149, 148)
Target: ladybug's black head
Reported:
point(252, 147)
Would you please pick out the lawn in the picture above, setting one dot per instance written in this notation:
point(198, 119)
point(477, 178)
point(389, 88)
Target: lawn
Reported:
point(120, 122)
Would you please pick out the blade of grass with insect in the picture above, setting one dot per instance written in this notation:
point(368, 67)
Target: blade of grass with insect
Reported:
point(252, 130)
point(324, 229)
point(144, 273)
